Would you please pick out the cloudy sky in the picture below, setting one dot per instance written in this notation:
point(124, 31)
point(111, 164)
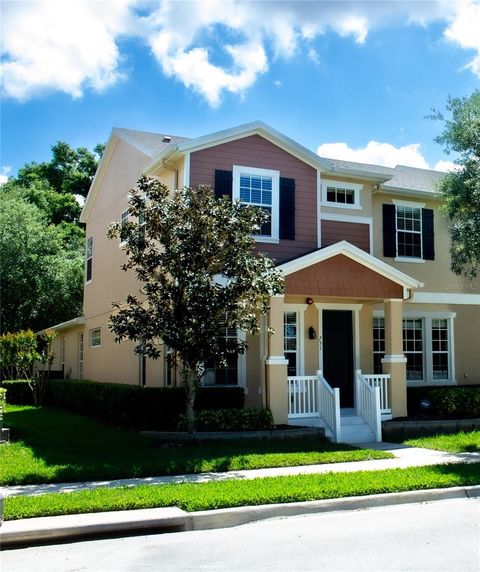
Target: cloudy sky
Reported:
point(349, 79)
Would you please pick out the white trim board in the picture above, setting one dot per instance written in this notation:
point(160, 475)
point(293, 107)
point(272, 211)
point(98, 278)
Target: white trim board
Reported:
point(445, 298)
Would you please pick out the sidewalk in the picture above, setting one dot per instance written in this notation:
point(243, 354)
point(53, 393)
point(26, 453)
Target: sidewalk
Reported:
point(405, 457)
point(78, 526)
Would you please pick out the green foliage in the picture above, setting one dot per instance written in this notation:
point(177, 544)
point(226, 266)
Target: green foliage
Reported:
point(41, 267)
point(18, 354)
point(447, 402)
point(85, 449)
point(233, 493)
point(3, 402)
point(233, 420)
point(134, 407)
point(69, 171)
point(18, 391)
point(460, 190)
point(194, 256)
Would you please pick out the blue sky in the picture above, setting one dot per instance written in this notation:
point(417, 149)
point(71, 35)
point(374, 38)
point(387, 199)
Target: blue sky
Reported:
point(352, 80)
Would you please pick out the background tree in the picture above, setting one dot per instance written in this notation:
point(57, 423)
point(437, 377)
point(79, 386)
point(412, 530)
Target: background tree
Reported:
point(41, 267)
point(193, 255)
point(460, 190)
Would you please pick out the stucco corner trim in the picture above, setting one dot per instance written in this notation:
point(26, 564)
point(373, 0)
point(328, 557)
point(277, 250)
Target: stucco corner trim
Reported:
point(394, 359)
point(276, 360)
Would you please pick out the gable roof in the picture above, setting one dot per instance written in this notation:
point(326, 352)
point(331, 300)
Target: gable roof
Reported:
point(146, 141)
point(413, 179)
point(355, 254)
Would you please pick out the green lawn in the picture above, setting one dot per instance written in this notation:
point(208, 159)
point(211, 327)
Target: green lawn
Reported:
point(57, 446)
point(222, 494)
point(461, 442)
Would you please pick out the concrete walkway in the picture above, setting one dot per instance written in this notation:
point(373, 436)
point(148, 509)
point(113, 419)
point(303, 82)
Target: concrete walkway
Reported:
point(404, 457)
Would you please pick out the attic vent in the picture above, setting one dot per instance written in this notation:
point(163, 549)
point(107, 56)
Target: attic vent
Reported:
point(166, 139)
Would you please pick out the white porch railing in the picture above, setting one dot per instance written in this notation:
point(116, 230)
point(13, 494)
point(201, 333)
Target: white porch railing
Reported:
point(311, 396)
point(368, 404)
point(383, 382)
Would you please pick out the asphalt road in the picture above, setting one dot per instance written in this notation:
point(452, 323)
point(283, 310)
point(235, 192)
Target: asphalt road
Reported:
point(437, 536)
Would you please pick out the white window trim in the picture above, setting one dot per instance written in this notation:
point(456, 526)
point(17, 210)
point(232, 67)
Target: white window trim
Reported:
point(275, 175)
point(121, 220)
point(241, 368)
point(300, 311)
point(427, 318)
point(355, 187)
point(87, 258)
point(413, 205)
point(90, 337)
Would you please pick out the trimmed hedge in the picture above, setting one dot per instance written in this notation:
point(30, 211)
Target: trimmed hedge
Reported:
point(447, 402)
point(232, 420)
point(18, 392)
point(134, 407)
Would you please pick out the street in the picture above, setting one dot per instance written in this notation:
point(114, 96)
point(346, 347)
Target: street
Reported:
point(437, 536)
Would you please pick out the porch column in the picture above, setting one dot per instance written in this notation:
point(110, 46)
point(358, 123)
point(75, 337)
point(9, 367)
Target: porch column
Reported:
point(276, 364)
point(394, 361)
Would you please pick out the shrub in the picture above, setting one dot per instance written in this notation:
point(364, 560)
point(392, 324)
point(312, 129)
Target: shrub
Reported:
point(134, 407)
point(232, 420)
point(453, 402)
point(18, 391)
point(3, 400)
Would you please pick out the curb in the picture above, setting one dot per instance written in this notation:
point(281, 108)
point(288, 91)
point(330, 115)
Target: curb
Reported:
point(75, 527)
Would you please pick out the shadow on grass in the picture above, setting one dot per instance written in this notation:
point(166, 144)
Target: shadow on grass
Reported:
point(79, 448)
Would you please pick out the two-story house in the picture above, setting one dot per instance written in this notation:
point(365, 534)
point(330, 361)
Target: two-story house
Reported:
point(365, 256)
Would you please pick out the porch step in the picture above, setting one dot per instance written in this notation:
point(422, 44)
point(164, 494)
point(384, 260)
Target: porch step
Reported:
point(353, 428)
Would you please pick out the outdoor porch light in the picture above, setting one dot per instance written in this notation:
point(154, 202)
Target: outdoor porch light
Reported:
point(312, 334)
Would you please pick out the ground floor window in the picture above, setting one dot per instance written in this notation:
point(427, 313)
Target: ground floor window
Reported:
point(229, 375)
point(80, 355)
point(290, 341)
point(427, 345)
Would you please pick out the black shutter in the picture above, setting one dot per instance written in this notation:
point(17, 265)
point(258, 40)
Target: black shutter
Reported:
point(287, 208)
point(389, 231)
point(428, 242)
point(223, 183)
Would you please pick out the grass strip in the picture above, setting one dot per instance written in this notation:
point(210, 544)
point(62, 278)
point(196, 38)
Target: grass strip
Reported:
point(461, 442)
point(232, 493)
point(57, 446)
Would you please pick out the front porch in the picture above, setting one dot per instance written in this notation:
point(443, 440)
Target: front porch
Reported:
point(323, 340)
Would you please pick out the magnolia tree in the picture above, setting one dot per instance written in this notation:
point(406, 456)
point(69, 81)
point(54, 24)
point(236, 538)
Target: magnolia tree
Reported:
point(194, 256)
point(460, 189)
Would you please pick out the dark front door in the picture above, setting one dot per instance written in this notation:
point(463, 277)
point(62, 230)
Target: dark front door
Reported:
point(337, 338)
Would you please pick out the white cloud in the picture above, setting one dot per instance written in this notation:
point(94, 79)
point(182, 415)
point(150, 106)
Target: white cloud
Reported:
point(465, 31)
point(376, 153)
point(446, 166)
point(62, 46)
point(4, 174)
point(313, 56)
point(211, 46)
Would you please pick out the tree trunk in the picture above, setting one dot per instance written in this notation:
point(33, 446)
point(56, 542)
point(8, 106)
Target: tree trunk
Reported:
point(190, 382)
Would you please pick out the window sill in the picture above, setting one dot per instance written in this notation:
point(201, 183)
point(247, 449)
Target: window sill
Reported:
point(407, 259)
point(341, 206)
point(431, 383)
point(266, 239)
point(88, 282)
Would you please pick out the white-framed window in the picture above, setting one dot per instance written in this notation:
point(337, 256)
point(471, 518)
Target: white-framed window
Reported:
point(290, 341)
point(409, 231)
point(378, 343)
point(341, 194)
point(123, 222)
point(234, 373)
point(260, 189)
point(89, 259)
point(427, 345)
point(168, 366)
point(95, 338)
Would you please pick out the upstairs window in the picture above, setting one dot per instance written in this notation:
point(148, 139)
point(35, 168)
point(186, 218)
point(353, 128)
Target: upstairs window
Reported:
point(260, 189)
point(408, 233)
point(123, 222)
point(89, 257)
point(341, 194)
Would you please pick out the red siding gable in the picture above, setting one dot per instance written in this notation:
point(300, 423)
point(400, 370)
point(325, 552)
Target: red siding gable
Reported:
point(255, 151)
